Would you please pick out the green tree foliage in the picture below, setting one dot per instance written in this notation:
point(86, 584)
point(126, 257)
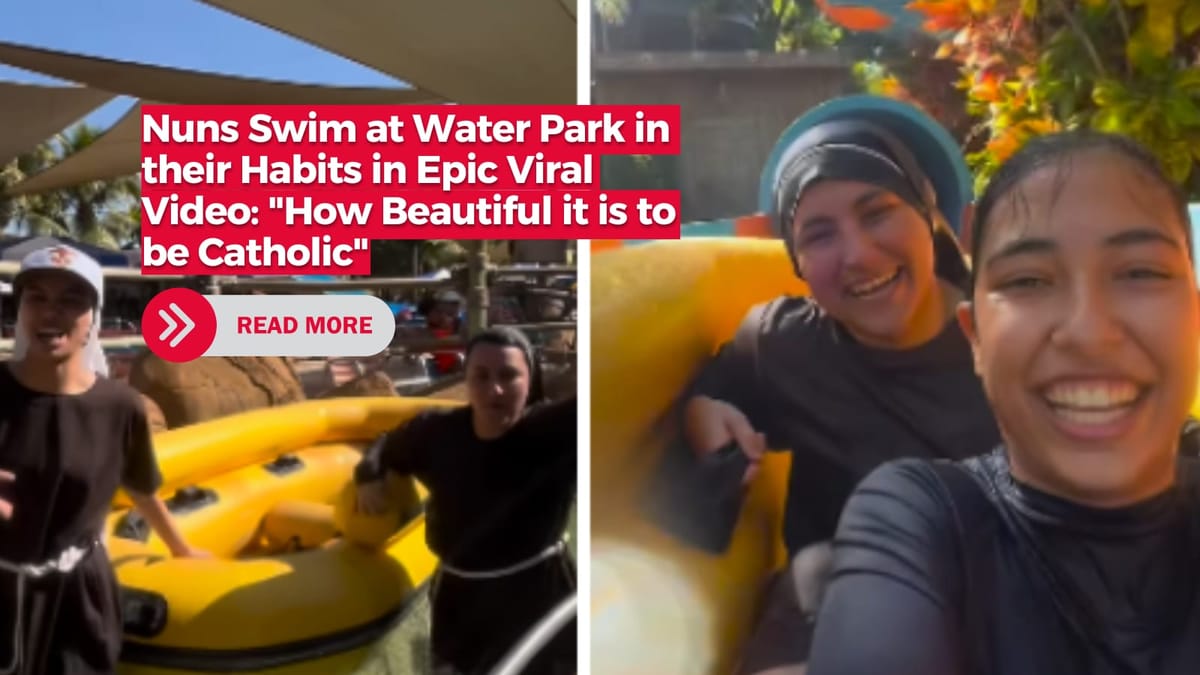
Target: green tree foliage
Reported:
point(1028, 67)
point(104, 212)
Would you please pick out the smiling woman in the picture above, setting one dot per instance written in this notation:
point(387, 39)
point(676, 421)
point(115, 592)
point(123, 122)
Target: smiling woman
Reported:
point(1072, 547)
point(868, 365)
point(1089, 310)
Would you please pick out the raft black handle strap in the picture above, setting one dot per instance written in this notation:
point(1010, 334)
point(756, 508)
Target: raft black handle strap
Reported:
point(190, 498)
point(284, 465)
point(144, 612)
point(134, 527)
point(185, 500)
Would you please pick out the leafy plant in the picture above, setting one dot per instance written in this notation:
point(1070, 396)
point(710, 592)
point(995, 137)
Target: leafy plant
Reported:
point(793, 25)
point(1028, 67)
point(101, 212)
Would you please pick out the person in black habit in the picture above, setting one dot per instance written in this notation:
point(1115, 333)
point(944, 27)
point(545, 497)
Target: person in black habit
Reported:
point(501, 477)
point(69, 437)
point(860, 370)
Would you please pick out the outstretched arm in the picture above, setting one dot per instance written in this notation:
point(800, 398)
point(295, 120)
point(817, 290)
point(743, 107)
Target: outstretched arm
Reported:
point(141, 479)
point(890, 607)
point(155, 511)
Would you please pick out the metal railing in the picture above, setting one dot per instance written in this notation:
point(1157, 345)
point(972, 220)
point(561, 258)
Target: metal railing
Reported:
point(401, 344)
point(107, 343)
point(538, 638)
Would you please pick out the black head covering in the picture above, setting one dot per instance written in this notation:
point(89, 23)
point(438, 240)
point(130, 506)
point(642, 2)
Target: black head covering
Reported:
point(863, 152)
point(506, 336)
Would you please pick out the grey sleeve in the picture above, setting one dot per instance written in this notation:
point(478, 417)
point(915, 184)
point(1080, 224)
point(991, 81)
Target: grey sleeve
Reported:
point(890, 606)
point(732, 375)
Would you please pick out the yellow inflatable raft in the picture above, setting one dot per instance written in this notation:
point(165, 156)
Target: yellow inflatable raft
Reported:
point(659, 310)
point(269, 493)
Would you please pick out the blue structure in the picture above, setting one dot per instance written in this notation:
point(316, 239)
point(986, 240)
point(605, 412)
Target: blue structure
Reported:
point(933, 147)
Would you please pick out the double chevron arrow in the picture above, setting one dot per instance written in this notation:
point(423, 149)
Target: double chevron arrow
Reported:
point(188, 325)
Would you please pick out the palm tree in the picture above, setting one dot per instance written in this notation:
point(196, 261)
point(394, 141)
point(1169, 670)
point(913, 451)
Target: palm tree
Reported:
point(103, 212)
point(35, 214)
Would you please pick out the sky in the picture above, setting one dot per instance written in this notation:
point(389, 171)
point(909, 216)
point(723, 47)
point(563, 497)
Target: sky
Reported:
point(176, 33)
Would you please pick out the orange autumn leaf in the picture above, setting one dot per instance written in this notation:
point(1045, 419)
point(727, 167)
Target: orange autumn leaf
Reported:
point(941, 15)
point(890, 86)
point(1005, 145)
point(855, 18)
point(941, 25)
point(1019, 98)
point(987, 88)
point(1040, 126)
point(931, 8)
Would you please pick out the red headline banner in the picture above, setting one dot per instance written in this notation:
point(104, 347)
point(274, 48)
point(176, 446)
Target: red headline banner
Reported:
point(279, 189)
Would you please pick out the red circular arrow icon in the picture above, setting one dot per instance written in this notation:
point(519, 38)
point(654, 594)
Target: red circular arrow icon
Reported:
point(179, 325)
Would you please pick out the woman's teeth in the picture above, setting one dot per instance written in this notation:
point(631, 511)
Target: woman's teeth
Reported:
point(873, 285)
point(1091, 417)
point(1092, 396)
point(1092, 403)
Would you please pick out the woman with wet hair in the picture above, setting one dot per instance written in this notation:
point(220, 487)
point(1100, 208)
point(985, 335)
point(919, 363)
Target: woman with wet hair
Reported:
point(1073, 546)
point(501, 474)
point(69, 437)
point(870, 366)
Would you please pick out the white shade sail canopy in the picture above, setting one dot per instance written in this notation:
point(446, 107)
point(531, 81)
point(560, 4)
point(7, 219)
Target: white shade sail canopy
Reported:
point(117, 152)
point(177, 85)
point(467, 51)
point(31, 113)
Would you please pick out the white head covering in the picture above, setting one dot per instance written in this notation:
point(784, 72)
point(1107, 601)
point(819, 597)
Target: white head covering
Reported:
point(67, 259)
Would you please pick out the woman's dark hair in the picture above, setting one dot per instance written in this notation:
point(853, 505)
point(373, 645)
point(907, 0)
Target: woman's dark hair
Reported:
point(1055, 149)
point(504, 336)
